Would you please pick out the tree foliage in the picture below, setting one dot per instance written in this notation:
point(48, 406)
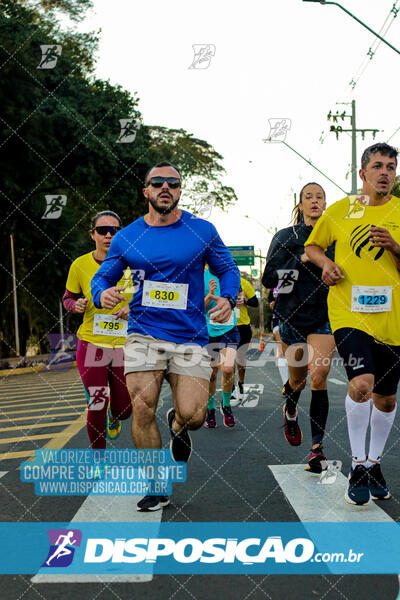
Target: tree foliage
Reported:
point(59, 132)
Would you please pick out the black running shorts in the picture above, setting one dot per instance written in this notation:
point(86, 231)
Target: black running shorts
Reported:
point(245, 334)
point(361, 354)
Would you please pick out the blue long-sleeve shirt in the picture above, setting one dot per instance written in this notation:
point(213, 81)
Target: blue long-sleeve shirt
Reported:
point(174, 255)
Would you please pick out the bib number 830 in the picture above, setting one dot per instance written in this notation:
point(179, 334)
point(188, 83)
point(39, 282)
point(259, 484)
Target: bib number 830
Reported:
point(164, 295)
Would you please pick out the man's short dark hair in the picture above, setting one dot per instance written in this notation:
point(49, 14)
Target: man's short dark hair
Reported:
point(382, 148)
point(164, 163)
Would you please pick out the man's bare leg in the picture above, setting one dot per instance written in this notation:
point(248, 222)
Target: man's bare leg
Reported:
point(190, 396)
point(144, 389)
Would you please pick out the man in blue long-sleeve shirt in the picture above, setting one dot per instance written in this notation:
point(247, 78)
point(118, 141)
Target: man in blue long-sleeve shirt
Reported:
point(166, 251)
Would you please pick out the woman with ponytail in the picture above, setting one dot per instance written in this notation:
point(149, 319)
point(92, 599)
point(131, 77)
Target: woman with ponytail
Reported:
point(301, 307)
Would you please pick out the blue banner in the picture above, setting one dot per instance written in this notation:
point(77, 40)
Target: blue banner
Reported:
point(102, 472)
point(200, 548)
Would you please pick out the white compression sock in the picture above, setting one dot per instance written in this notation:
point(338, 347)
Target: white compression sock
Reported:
point(381, 424)
point(358, 414)
point(283, 369)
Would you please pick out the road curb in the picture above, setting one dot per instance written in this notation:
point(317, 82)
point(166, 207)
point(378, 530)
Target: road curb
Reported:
point(24, 370)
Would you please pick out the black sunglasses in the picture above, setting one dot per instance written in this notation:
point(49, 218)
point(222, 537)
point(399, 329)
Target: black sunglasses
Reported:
point(104, 229)
point(157, 182)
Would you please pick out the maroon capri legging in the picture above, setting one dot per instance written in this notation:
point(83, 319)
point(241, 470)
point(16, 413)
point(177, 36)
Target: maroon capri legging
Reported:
point(102, 373)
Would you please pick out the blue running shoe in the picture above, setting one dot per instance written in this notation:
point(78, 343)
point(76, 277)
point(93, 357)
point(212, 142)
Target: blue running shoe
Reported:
point(358, 490)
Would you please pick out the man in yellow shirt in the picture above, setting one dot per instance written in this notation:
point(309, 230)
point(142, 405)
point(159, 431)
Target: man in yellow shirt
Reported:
point(364, 310)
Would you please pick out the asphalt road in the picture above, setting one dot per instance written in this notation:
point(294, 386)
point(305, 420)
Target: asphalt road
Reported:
point(230, 478)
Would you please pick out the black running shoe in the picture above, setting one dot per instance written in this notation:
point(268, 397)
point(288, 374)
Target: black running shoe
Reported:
point(317, 461)
point(150, 503)
point(377, 484)
point(358, 490)
point(292, 431)
point(210, 421)
point(229, 419)
point(180, 444)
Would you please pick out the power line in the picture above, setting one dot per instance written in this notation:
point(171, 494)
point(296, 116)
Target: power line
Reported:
point(375, 45)
point(367, 60)
point(316, 168)
point(393, 134)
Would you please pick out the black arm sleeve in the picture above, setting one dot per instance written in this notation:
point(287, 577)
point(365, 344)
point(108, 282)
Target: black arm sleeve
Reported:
point(253, 302)
point(277, 258)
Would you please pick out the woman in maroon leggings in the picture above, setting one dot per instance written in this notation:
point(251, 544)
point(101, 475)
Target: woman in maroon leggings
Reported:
point(101, 337)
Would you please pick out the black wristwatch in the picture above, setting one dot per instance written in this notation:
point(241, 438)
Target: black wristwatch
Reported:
point(232, 302)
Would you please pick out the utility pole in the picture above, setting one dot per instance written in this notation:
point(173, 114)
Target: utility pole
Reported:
point(61, 323)
point(353, 148)
point(17, 351)
point(339, 129)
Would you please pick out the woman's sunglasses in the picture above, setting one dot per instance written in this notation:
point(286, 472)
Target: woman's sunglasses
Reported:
point(104, 229)
point(157, 182)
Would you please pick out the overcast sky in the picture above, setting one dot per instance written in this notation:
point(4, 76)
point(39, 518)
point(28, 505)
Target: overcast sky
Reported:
point(273, 59)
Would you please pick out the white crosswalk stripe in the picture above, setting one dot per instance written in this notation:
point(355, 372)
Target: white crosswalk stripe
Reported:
point(315, 502)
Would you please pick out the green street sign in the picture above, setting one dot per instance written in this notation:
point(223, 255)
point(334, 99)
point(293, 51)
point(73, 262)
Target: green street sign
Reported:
point(244, 261)
point(244, 255)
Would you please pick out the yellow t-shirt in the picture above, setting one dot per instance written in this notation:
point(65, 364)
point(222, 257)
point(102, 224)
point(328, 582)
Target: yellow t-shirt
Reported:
point(79, 278)
point(347, 223)
point(243, 318)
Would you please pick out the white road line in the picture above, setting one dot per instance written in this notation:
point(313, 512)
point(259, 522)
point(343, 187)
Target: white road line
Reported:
point(337, 381)
point(319, 503)
point(2, 473)
point(104, 509)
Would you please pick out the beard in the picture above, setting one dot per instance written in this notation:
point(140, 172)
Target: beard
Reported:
point(160, 209)
point(381, 193)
